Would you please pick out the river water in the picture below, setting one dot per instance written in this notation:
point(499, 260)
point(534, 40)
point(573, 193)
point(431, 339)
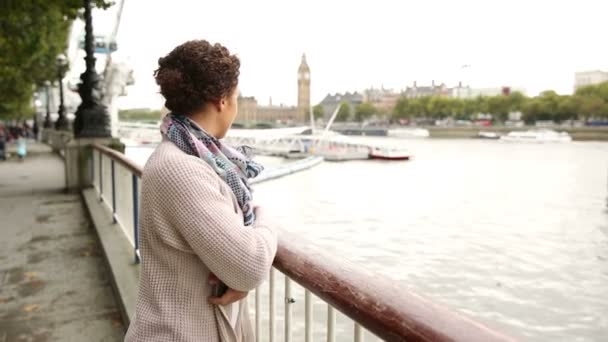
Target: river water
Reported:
point(514, 235)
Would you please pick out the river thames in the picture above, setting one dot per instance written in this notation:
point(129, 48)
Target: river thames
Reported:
point(514, 235)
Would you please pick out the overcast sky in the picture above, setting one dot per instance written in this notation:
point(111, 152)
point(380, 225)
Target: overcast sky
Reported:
point(352, 45)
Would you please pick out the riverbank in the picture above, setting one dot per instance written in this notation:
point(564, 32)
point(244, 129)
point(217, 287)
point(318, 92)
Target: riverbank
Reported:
point(577, 133)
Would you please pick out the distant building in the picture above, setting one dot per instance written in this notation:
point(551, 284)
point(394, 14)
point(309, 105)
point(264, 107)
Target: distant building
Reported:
point(423, 91)
point(248, 106)
point(249, 110)
point(585, 78)
point(383, 99)
point(279, 113)
point(330, 102)
point(303, 91)
point(468, 92)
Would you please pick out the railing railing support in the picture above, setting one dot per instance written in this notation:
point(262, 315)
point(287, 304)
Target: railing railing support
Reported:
point(288, 309)
point(113, 192)
point(331, 323)
point(135, 217)
point(258, 311)
point(308, 316)
point(92, 168)
point(272, 307)
point(358, 333)
point(100, 177)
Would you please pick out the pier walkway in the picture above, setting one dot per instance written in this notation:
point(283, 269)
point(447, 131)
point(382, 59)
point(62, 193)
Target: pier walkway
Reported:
point(54, 285)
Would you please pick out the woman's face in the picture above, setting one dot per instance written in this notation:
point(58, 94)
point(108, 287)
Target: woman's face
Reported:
point(229, 110)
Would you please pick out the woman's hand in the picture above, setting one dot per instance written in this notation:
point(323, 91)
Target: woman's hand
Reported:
point(231, 295)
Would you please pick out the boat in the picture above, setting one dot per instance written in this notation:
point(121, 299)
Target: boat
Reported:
point(388, 153)
point(488, 135)
point(344, 155)
point(408, 133)
point(539, 136)
point(339, 149)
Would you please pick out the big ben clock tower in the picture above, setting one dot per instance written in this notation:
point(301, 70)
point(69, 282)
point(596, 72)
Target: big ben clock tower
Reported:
point(303, 90)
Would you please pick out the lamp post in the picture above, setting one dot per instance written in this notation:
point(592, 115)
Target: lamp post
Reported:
point(62, 121)
point(92, 119)
point(47, 118)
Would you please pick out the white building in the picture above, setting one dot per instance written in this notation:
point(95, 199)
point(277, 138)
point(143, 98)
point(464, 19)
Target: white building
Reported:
point(468, 92)
point(585, 78)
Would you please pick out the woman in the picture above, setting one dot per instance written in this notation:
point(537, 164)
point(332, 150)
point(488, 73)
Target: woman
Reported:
point(198, 226)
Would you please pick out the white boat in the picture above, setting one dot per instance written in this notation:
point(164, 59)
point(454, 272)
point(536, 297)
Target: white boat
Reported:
point(408, 133)
point(338, 148)
point(540, 136)
point(388, 153)
point(488, 135)
point(344, 155)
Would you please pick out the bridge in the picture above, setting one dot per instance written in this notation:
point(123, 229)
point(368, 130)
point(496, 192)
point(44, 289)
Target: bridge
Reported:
point(66, 198)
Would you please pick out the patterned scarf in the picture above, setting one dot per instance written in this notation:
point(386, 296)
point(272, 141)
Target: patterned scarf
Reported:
point(233, 165)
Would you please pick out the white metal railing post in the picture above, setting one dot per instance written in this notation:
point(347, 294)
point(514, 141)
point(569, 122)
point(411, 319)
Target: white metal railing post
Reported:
point(113, 191)
point(135, 216)
point(100, 177)
point(258, 311)
point(288, 309)
point(358, 333)
point(308, 315)
point(272, 307)
point(331, 324)
point(91, 168)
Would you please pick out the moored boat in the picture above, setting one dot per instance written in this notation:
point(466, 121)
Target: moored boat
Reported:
point(488, 135)
point(389, 153)
point(539, 136)
point(408, 133)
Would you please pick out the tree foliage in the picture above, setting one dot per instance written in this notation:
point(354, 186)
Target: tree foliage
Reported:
point(318, 112)
point(344, 113)
point(364, 111)
point(589, 102)
point(32, 34)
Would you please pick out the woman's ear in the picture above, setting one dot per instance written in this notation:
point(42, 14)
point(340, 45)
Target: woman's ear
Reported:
point(220, 104)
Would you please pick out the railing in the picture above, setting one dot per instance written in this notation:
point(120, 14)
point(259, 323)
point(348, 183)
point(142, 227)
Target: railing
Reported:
point(374, 304)
point(117, 182)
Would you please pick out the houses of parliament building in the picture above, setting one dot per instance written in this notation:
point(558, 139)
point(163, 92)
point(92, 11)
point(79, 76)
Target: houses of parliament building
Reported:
point(251, 111)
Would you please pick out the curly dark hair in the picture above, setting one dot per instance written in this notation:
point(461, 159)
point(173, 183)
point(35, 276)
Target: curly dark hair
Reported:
point(196, 73)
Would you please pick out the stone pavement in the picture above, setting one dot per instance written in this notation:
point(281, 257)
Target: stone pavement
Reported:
point(54, 285)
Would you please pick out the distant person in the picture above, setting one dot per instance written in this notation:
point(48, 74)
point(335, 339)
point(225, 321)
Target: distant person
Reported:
point(21, 146)
point(198, 228)
point(3, 137)
point(35, 130)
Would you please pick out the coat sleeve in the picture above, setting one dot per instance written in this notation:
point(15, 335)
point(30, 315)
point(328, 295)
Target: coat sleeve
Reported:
point(241, 256)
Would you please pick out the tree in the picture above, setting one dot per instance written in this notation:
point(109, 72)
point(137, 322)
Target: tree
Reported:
point(364, 111)
point(592, 101)
point(499, 107)
point(401, 110)
point(32, 34)
point(344, 112)
point(318, 112)
point(592, 107)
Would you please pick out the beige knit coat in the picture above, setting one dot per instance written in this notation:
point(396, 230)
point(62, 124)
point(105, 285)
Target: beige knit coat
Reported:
point(191, 225)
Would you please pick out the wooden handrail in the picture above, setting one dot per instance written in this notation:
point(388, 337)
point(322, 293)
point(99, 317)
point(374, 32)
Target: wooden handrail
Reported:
point(119, 158)
point(377, 303)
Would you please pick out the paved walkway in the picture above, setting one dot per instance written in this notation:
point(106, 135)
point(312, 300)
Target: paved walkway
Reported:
point(54, 285)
